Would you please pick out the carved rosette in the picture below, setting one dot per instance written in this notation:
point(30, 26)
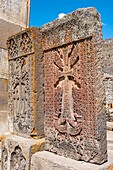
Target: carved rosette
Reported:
point(21, 45)
point(26, 45)
point(13, 49)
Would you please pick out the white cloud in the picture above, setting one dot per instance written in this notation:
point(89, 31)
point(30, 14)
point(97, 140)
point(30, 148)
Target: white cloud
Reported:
point(61, 15)
point(104, 24)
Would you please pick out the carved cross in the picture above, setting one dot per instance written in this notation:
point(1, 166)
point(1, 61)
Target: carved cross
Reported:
point(67, 123)
point(18, 85)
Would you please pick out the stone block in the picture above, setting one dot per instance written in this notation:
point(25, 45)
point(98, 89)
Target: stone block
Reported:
point(15, 11)
point(17, 152)
point(48, 161)
point(26, 92)
point(75, 120)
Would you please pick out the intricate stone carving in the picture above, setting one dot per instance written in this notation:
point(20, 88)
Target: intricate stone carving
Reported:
point(13, 48)
point(20, 89)
point(26, 92)
point(4, 158)
point(66, 120)
point(18, 161)
point(70, 105)
point(26, 43)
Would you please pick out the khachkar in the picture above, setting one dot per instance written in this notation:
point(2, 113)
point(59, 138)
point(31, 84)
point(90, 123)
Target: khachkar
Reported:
point(75, 124)
point(26, 83)
point(26, 100)
point(26, 94)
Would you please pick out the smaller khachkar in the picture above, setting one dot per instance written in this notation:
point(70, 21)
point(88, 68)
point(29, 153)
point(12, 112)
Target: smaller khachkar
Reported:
point(26, 83)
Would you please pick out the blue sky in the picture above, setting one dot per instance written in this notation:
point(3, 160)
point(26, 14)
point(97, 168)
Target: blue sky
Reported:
point(44, 11)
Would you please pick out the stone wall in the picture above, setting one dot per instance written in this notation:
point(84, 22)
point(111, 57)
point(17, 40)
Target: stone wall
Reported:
point(15, 11)
point(75, 124)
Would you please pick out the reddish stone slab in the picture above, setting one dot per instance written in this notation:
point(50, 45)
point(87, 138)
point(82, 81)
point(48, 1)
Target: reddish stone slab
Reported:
point(75, 124)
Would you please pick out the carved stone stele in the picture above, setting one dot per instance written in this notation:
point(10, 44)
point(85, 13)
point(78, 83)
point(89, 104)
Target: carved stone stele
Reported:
point(75, 121)
point(17, 152)
point(26, 96)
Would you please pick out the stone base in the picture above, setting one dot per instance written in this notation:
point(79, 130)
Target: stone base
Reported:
point(17, 152)
point(45, 161)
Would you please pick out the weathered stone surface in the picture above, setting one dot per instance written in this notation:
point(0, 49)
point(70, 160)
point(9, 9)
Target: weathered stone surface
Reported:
point(75, 121)
point(75, 26)
point(48, 161)
point(107, 52)
point(3, 64)
point(26, 93)
point(7, 29)
point(110, 126)
point(17, 152)
point(3, 91)
point(15, 11)
point(3, 105)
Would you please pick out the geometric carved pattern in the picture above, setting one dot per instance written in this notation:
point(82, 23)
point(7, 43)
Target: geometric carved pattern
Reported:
point(13, 48)
point(18, 161)
point(25, 43)
point(20, 46)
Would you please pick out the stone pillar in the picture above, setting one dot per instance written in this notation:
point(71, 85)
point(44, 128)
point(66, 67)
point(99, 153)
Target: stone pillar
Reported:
point(75, 121)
